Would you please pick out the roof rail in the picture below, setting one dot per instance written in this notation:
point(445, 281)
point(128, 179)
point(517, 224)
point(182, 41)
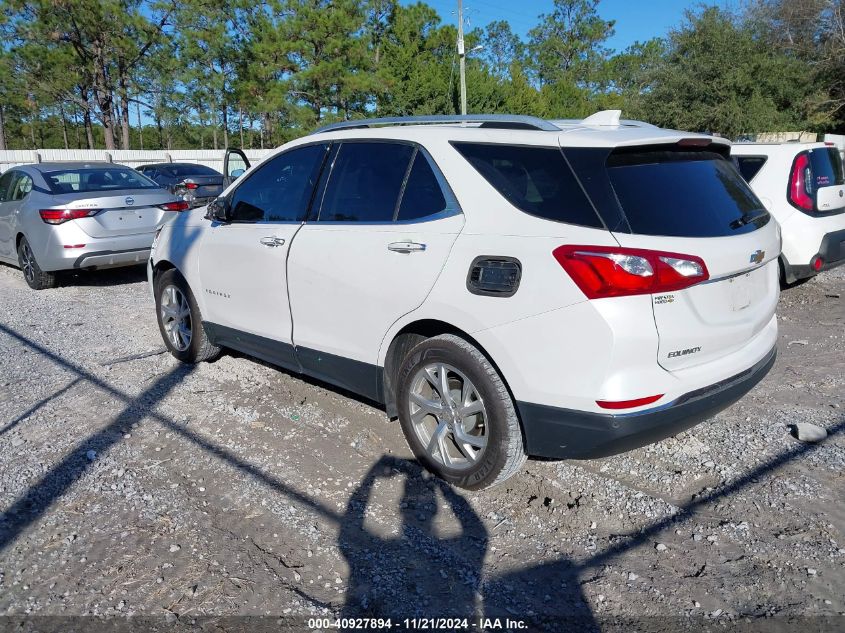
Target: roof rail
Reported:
point(507, 121)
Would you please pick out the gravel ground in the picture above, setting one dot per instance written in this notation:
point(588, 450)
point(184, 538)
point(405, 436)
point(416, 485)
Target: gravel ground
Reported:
point(133, 486)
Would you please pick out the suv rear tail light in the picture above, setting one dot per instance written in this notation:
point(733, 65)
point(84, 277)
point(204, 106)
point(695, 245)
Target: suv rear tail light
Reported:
point(801, 183)
point(60, 216)
point(180, 205)
point(603, 271)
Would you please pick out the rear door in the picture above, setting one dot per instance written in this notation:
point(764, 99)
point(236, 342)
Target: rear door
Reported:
point(694, 202)
point(376, 243)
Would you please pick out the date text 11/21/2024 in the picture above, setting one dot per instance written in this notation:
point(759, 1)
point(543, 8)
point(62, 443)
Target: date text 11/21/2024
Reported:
point(419, 624)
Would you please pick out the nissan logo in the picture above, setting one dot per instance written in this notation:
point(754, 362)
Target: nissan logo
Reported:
point(129, 201)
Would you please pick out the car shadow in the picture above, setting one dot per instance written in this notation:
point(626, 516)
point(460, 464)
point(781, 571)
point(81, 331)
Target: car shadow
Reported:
point(104, 277)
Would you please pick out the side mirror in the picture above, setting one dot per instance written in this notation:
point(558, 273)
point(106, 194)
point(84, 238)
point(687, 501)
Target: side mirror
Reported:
point(237, 173)
point(218, 210)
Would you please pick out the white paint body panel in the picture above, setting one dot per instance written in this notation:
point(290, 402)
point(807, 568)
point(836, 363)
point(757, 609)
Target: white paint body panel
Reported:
point(347, 288)
point(243, 281)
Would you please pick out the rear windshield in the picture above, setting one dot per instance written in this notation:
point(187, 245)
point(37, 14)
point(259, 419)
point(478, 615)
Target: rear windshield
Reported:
point(827, 167)
point(188, 170)
point(536, 180)
point(97, 179)
point(683, 194)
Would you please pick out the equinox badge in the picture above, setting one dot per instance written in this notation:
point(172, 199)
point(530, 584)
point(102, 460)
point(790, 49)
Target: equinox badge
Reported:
point(757, 257)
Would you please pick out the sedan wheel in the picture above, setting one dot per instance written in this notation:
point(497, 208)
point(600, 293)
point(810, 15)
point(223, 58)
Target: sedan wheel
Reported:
point(27, 260)
point(35, 278)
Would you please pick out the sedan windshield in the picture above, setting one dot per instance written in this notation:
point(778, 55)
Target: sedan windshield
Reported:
point(97, 179)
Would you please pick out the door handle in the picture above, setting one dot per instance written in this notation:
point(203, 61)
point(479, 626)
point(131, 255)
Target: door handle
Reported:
point(406, 247)
point(272, 241)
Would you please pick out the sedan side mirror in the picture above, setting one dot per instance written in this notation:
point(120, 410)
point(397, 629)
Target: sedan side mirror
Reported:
point(218, 210)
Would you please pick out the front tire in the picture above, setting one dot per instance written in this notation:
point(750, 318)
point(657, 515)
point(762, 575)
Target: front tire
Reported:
point(457, 414)
point(35, 278)
point(180, 320)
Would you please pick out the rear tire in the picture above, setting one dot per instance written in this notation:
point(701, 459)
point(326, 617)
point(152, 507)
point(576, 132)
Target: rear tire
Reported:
point(180, 320)
point(35, 278)
point(472, 437)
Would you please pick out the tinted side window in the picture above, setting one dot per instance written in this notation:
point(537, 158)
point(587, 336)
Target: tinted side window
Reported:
point(422, 195)
point(749, 165)
point(5, 185)
point(365, 182)
point(536, 180)
point(280, 190)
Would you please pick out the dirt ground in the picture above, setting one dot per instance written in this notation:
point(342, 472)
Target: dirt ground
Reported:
point(234, 496)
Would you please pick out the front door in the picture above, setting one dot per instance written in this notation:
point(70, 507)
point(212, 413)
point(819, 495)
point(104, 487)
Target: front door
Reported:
point(8, 209)
point(235, 163)
point(242, 262)
point(381, 235)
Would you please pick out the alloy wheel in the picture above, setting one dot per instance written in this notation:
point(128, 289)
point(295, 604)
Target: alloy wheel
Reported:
point(28, 263)
point(448, 416)
point(176, 317)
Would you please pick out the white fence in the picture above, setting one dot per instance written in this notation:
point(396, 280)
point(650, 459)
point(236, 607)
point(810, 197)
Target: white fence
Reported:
point(130, 157)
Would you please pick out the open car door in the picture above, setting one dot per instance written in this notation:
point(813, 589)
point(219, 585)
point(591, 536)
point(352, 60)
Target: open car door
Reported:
point(235, 164)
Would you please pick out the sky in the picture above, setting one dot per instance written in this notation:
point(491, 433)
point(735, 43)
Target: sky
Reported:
point(635, 19)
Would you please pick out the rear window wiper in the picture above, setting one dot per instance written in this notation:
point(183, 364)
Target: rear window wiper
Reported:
point(748, 218)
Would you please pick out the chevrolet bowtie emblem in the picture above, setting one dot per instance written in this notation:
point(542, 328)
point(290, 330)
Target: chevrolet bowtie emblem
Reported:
point(756, 257)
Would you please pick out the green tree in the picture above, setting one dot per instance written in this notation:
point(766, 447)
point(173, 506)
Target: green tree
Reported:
point(501, 48)
point(106, 42)
point(628, 76)
point(718, 77)
point(566, 54)
point(418, 65)
point(814, 32)
point(329, 59)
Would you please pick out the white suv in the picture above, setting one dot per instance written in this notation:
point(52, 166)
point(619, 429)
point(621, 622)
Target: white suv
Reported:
point(505, 286)
point(803, 186)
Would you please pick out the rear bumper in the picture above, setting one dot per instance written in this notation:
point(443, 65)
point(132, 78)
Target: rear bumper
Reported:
point(564, 433)
point(111, 259)
point(67, 247)
point(832, 249)
point(832, 252)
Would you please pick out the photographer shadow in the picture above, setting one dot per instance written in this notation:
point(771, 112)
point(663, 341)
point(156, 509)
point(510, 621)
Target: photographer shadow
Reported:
point(410, 570)
point(423, 568)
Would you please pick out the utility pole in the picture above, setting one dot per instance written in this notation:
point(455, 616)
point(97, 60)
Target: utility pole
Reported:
point(462, 56)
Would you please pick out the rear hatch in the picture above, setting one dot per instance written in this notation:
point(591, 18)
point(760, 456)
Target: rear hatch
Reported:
point(817, 181)
point(122, 212)
point(689, 201)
